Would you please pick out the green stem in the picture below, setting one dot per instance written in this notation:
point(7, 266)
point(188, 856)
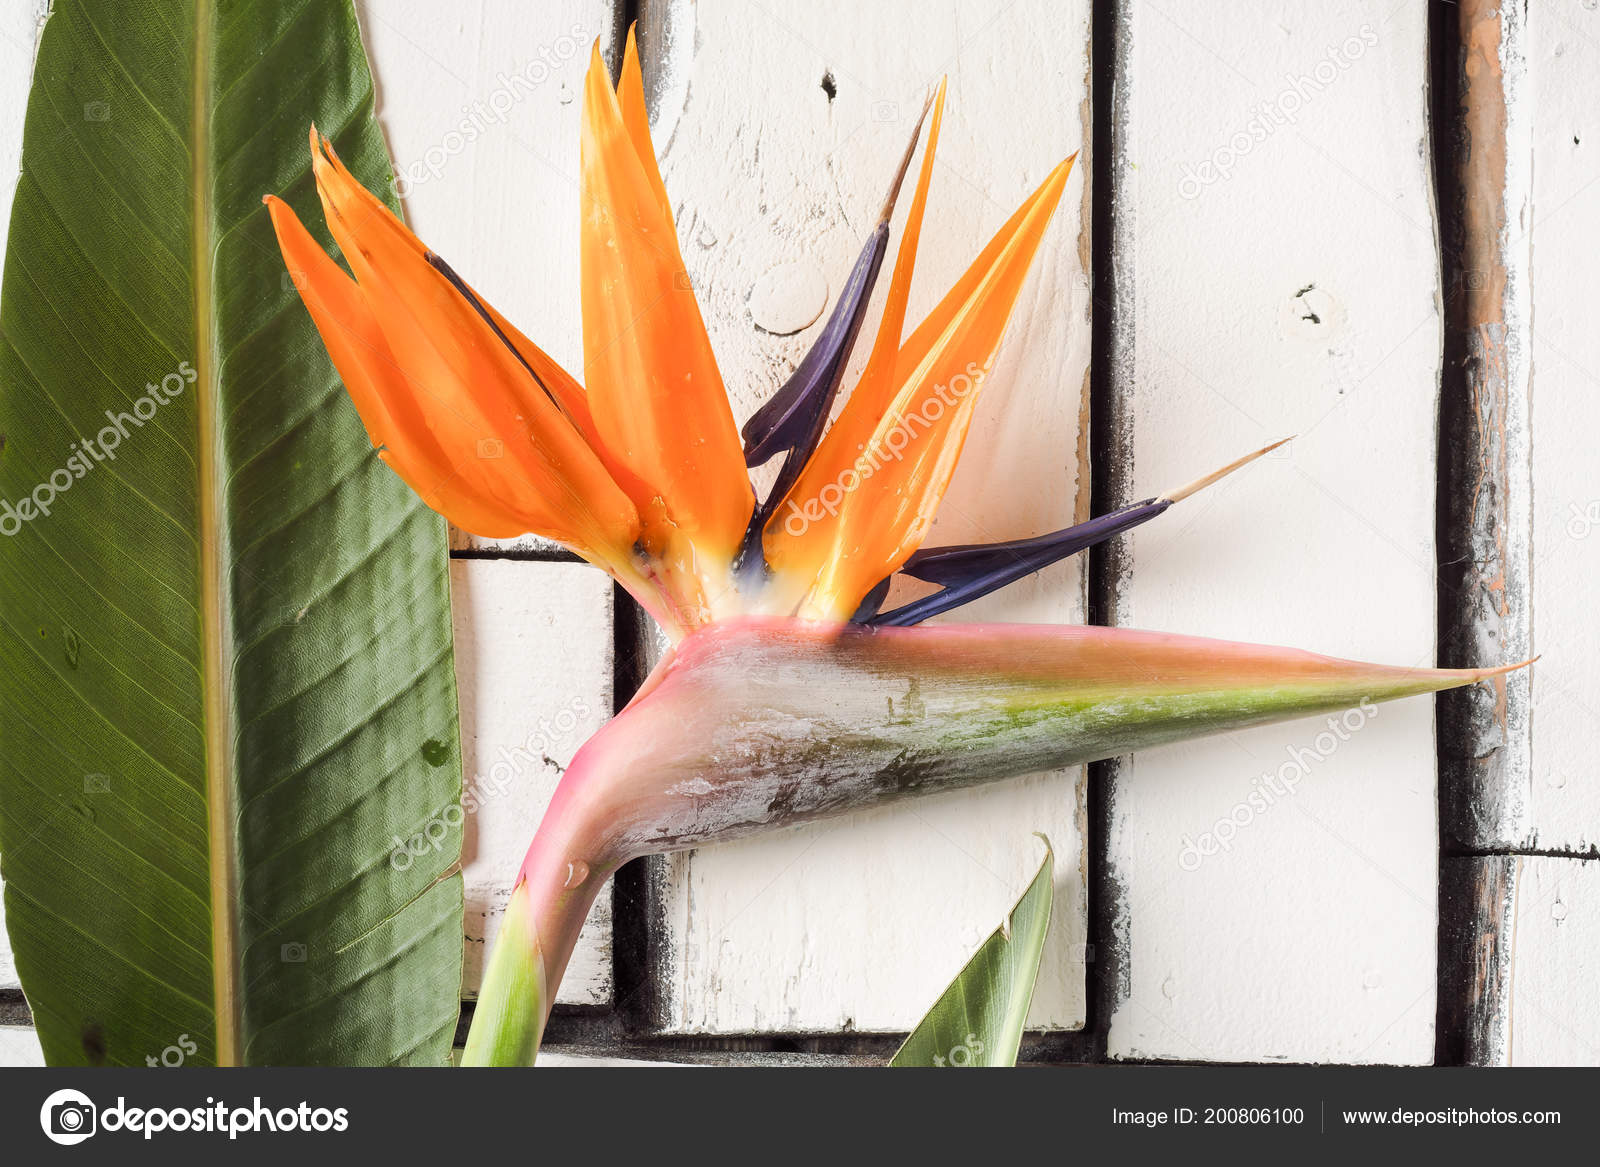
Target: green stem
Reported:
point(557, 886)
point(513, 1003)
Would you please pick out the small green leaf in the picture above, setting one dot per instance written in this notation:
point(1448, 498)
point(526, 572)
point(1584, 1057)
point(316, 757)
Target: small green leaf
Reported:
point(978, 1020)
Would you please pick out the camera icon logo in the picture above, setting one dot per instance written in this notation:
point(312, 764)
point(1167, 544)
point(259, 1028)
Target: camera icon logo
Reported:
point(97, 111)
point(292, 953)
point(68, 1117)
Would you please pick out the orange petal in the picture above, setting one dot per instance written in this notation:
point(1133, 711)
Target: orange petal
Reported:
point(864, 502)
point(348, 330)
point(636, 119)
point(358, 204)
point(653, 383)
point(376, 384)
point(502, 442)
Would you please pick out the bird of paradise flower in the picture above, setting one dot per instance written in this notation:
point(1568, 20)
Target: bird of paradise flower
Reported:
point(770, 708)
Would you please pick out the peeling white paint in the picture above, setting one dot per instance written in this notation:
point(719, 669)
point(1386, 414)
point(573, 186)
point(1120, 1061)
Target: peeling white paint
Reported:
point(788, 297)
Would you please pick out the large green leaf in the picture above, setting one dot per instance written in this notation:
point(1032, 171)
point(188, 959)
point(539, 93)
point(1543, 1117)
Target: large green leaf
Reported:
point(226, 682)
point(978, 1020)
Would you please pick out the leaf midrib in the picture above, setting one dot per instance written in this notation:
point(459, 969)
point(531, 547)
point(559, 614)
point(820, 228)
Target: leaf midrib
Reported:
point(214, 627)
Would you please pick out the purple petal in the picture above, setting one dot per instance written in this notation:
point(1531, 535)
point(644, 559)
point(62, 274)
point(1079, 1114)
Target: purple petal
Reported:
point(787, 420)
point(972, 570)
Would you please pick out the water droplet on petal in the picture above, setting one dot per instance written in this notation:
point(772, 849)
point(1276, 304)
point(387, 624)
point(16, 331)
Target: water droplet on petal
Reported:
point(577, 872)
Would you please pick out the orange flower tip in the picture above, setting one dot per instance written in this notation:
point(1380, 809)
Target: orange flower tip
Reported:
point(1182, 492)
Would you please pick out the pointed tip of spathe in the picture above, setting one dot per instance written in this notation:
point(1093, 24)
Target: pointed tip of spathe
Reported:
point(1502, 670)
point(1453, 678)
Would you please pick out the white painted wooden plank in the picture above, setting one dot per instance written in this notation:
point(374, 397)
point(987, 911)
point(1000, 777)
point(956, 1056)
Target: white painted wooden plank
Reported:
point(20, 21)
point(19, 1046)
point(1279, 274)
point(8, 966)
point(859, 924)
point(479, 104)
point(533, 663)
point(1555, 960)
point(1563, 799)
